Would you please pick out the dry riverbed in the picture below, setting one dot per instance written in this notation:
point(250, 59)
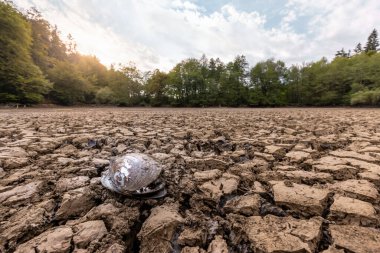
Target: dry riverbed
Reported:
point(238, 180)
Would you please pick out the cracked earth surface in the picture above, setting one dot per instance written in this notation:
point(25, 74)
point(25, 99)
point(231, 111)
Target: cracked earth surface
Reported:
point(238, 180)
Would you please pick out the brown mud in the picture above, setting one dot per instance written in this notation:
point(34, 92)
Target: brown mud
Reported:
point(238, 180)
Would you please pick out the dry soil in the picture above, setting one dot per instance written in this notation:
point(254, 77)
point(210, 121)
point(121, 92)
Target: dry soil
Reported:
point(238, 180)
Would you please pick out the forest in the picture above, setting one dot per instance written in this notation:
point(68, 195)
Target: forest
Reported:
point(37, 66)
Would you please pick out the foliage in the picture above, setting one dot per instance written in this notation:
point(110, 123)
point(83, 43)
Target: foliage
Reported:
point(155, 88)
point(20, 79)
point(268, 83)
point(70, 86)
point(366, 97)
point(37, 66)
point(105, 96)
point(372, 42)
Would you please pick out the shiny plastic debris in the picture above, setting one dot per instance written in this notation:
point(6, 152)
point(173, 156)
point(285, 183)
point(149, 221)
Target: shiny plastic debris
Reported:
point(134, 175)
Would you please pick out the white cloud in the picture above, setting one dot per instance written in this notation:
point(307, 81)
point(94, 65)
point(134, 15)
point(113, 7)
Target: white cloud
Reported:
point(159, 34)
point(338, 23)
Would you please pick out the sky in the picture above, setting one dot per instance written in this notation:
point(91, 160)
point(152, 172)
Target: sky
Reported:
point(160, 33)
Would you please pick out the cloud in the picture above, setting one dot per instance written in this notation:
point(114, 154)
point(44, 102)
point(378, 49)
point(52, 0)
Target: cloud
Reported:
point(334, 24)
point(159, 34)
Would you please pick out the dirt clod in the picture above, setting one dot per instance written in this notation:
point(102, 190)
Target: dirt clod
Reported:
point(355, 238)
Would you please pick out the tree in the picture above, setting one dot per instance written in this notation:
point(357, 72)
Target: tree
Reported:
point(343, 53)
point(358, 49)
point(366, 97)
point(41, 36)
point(20, 79)
point(37, 65)
point(133, 83)
point(57, 49)
point(90, 68)
point(155, 88)
point(267, 83)
point(105, 96)
point(293, 81)
point(186, 83)
point(69, 85)
point(335, 82)
point(71, 45)
point(234, 82)
point(372, 42)
point(310, 88)
point(215, 69)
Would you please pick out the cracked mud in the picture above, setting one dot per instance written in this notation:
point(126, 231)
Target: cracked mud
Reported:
point(238, 180)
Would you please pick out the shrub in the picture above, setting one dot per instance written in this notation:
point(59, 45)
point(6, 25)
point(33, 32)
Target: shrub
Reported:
point(366, 97)
point(105, 96)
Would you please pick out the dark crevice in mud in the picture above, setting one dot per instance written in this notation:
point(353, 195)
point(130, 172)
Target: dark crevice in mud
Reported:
point(242, 247)
point(28, 235)
point(325, 148)
point(133, 243)
point(224, 199)
point(176, 248)
point(6, 247)
point(185, 203)
point(114, 152)
point(72, 245)
point(271, 166)
point(236, 240)
point(267, 196)
point(217, 151)
point(243, 189)
point(326, 239)
point(147, 144)
point(98, 201)
point(330, 201)
point(57, 200)
point(268, 206)
point(211, 206)
point(222, 202)
point(93, 144)
point(306, 166)
point(99, 171)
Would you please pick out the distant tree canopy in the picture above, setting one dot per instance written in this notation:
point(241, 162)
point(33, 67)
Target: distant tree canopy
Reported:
point(21, 80)
point(36, 66)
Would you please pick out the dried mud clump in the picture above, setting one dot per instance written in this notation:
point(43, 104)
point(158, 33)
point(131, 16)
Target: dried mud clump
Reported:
point(238, 180)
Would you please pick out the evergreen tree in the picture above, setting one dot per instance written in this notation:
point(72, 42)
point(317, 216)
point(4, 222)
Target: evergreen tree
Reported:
point(372, 42)
point(358, 49)
point(343, 53)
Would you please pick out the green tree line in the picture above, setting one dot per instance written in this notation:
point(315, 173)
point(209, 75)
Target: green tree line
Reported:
point(37, 66)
